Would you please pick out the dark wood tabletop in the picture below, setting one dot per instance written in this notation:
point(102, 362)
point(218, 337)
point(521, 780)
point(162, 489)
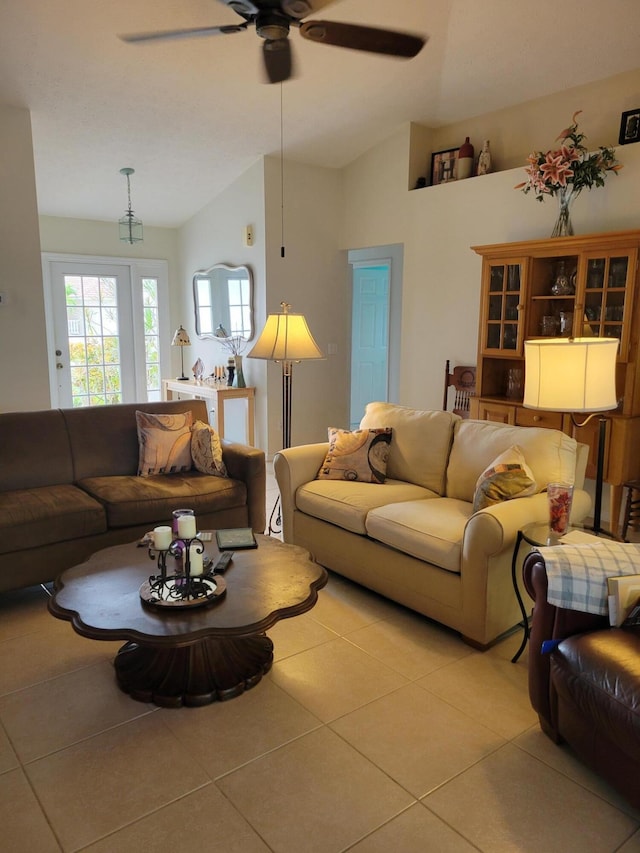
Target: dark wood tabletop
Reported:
point(101, 596)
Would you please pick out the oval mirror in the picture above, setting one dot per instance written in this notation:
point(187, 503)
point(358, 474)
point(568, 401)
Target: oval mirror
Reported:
point(223, 301)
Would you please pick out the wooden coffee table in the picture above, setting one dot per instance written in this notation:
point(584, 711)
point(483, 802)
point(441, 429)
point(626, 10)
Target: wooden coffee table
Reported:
point(189, 656)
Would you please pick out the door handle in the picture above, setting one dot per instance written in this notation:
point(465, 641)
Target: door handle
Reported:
point(59, 365)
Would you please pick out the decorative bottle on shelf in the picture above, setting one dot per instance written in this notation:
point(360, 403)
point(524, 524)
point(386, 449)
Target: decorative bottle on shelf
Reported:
point(561, 284)
point(484, 160)
point(231, 369)
point(465, 159)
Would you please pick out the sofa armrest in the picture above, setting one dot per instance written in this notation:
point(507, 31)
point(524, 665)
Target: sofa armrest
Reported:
point(549, 623)
point(248, 465)
point(294, 467)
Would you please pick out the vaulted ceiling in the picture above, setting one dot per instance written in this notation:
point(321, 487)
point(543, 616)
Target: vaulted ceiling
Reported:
point(190, 116)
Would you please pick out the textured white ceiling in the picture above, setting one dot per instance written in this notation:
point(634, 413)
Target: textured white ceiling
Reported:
point(191, 115)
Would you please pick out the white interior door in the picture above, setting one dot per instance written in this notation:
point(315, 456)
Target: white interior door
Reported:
point(93, 331)
point(369, 337)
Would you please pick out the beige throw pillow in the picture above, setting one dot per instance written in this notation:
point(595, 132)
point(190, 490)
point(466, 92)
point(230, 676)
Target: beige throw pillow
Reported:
point(360, 454)
point(507, 477)
point(164, 442)
point(206, 450)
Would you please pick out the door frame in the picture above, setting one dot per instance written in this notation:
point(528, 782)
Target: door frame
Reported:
point(138, 268)
point(393, 254)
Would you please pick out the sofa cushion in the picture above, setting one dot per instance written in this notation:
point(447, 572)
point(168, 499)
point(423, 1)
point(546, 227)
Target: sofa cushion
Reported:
point(165, 443)
point(421, 442)
point(429, 530)
point(508, 476)
point(144, 500)
point(31, 518)
point(346, 504)
point(206, 450)
point(550, 454)
point(34, 450)
point(359, 454)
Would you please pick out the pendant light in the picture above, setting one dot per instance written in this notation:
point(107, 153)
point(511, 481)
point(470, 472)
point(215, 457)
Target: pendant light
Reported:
point(130, 226)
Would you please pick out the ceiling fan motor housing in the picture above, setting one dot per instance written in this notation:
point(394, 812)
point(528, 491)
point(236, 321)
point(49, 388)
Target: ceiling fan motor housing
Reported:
point(272, 26)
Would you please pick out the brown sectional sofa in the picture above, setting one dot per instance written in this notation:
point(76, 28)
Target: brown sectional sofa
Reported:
point(69, 487)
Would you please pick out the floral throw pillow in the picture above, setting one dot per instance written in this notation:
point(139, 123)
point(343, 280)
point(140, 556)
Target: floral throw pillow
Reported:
point(164, 442)
point(206, 450)
point(360, 455)
point(507, 477)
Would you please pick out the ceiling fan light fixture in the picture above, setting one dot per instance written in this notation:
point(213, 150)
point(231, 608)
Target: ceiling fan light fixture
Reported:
point(296, 8)
point(130, 227)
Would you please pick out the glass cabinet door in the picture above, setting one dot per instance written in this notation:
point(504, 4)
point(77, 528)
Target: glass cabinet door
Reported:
point(502, 332)
point(608, 296)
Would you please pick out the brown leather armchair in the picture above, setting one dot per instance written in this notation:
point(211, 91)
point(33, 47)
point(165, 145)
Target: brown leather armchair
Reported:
point(586, 691)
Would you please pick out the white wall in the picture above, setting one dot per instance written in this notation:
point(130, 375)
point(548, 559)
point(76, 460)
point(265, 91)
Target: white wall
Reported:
point(312, 277)
point(24, 383)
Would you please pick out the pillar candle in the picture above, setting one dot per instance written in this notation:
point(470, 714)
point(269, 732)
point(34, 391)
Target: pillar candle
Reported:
point(162, 537)
point(195, 561)
point(186, 526)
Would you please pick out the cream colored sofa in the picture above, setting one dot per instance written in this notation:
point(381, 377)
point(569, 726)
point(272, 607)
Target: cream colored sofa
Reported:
point(416, 538)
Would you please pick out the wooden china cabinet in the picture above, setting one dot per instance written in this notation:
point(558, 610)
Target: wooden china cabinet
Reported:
point(580, 286)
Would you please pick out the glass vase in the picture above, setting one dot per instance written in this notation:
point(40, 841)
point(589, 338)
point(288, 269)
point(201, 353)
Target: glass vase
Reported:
point(238, 381)
point(563, 226)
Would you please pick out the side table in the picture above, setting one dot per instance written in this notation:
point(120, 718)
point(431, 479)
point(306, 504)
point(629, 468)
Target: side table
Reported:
point(538, 534)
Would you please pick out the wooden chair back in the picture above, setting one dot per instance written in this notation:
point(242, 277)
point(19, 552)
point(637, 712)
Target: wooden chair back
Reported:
point(463, 380)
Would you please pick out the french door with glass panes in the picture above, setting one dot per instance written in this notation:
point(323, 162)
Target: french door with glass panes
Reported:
point(108, 327)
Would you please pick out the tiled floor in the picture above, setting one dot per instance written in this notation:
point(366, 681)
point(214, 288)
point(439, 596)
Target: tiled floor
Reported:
point(376, 730)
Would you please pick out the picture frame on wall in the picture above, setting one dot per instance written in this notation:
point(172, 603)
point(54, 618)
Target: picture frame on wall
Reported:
point(629, 127)
point(444, 166)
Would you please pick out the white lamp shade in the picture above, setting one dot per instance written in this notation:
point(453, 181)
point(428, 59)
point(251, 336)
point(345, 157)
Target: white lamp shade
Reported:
point(571, 374)
point(286, 337)
point(181, 338)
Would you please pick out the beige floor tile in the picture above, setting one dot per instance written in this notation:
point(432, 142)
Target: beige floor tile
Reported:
point(410, 644)
point(8, 757)
point(47, 653)
point(632, 845)
point(55, 713)
point(489, 689)
point(229, 734)
point(202, 822)
point(24, 827)
point(416, 830)
point(344, 606)
point(561, 758)
point(102, 784)
point(22, 611)
point(316, 795)
point(514, 803)
point(417, 738)
point(334, 679)
point(290, 636)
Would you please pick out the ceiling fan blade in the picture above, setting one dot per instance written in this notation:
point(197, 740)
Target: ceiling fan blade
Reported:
point(358, 37)
point(194, 32)
point(278, 61)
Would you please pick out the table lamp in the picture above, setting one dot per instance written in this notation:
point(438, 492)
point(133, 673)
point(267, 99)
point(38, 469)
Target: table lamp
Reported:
point(285, 338)
point(181, 339)
point(576, 375)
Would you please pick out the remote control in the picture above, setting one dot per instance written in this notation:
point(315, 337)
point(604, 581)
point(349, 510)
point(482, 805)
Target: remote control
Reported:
point(223, 563)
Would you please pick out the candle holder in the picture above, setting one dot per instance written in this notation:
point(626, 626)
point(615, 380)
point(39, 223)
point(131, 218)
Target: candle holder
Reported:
point(183, 587)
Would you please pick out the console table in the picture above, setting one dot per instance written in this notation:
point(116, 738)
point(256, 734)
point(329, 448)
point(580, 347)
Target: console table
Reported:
point(218, 394)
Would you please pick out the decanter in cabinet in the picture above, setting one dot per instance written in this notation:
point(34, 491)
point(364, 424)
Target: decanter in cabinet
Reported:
point(568, 286)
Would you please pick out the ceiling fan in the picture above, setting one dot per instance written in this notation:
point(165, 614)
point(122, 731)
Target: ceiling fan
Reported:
point(272, 20)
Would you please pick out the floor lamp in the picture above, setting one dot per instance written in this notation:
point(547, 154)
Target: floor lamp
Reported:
point(576, 375)
point(285, 338)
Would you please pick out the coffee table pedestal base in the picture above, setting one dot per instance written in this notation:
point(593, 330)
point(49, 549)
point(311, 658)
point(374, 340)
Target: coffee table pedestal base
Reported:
point(210, 670)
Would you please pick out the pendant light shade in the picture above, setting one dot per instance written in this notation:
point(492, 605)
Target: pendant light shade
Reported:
point(130, 227)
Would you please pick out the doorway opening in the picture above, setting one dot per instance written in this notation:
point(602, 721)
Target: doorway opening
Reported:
point(376, 304)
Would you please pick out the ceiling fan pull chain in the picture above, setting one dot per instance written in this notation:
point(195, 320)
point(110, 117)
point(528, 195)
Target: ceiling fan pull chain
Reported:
point(281, 174)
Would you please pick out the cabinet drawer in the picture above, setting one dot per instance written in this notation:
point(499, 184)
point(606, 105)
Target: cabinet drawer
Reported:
point(537, 418)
